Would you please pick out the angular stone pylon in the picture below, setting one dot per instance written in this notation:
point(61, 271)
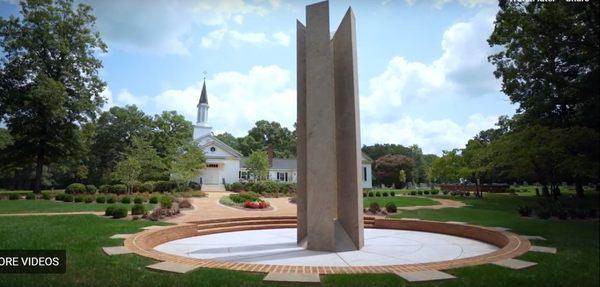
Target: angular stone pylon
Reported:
point(329, 198)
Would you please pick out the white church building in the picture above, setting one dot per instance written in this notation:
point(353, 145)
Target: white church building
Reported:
point(224, 164)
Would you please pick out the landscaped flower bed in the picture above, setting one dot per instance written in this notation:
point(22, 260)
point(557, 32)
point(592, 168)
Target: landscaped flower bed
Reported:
point(249, 200)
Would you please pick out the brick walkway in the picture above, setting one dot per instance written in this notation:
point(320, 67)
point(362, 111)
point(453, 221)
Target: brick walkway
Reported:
point(210, 208)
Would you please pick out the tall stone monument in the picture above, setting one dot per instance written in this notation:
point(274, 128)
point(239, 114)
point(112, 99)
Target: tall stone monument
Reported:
point(329, 199)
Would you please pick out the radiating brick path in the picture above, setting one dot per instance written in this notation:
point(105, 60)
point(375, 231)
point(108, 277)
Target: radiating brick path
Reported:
point(143, 243)
point(210, 208)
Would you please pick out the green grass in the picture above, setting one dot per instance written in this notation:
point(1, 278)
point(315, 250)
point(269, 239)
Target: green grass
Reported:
point(576, 263)
point(400, 201)
point(38, 206)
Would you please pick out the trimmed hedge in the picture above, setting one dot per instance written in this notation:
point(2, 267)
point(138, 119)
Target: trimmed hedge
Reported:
point(88, 199)
point(391, 207)
point(101, 199)
point(30, 196)
point(105, 188)
point(118, 188)
point(138, 209)
point(166, 202)
point(75, 188)
point(91, 189)
point(68, 198)
point(153, 200)
point(111, 199)
point(126, 200)
point(164, 186)
point(120, 212)
point(147, 187)
point(138, 200)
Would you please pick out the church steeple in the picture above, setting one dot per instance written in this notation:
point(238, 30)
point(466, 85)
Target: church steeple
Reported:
point(203, 97)
point(202, 118)
point(201, 127)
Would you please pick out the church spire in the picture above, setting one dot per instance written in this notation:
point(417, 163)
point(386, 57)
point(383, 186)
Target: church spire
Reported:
point(203, 97)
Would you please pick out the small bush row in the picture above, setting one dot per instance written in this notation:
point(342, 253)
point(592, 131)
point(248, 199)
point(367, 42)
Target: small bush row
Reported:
point(262, 187)
point(379, 194)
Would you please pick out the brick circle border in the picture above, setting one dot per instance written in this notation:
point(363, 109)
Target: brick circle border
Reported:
point(510, 245)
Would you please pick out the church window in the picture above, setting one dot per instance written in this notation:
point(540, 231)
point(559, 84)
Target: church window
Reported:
point(212, 149)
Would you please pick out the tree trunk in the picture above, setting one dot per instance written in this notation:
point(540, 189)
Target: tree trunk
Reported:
point(578, 187)
point(545, 191)
point(39, 168)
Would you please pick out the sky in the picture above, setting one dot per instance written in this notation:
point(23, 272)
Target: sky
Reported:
point(423, 72)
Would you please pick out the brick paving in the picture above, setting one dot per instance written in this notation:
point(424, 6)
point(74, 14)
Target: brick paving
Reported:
point(143, 243)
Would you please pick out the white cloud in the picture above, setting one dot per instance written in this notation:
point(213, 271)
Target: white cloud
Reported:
point(432, 136)
point(438, 4)
point(165, 27)
point(460, 73)
point(237, 100)
point(238, 39)
point(282, 38)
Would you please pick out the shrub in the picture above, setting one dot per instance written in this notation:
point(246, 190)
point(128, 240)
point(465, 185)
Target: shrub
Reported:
point(68, 198)
point(111, 199)
point(30, 196)
point(371, 194)
point(46, 196)
point(445, 192)
point(88, 199)
point(118, 188)
point(101, 199)
point(147, 187)
point(468, 193)
point(166, 202)
point(196, 186)
point(105, 188)
point(242, 197)
point(75, 188)
point(138, 209)
point(164, 186)
point(120, 212)
point(543, 213)
point(413, 193)
point(435, 191)
point(265, 186)
point(378, 194)
point(420, 192)
point(109, 210)
point(374, 207)
point(91, 189)
point(184, 203)
point(525, 210)
point(78, 198)
point(138, 200)
point(60, 197)
point(385, 193)
point(126, 200)
point(391, 207)
point(153, 200)
point(426, 192)
point(236, 187)
point(364, 194)
point(135, 186)
point(392, 193)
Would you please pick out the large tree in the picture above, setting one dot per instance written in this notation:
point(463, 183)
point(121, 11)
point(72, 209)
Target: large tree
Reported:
point(548, 60)
point(114, 133)
point(49, 81)
point(170, 131)
point(388, 167)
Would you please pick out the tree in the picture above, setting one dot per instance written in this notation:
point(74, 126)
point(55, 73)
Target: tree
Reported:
point(387, 168)
point(5, 138)
point(549, 60)
point(257, 165)
point(127, 171)
point(49, 81)
point(187, 164)
point(230, 140)
point(153, 167)
point(272, 133)
point(170, 131)
point(114, 134)
point(402, 178)
point(449, 167)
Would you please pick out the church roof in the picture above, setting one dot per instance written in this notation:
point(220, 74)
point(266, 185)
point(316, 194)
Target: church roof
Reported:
point(203, 97)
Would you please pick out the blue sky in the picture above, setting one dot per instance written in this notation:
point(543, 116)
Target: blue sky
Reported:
point(423, 74)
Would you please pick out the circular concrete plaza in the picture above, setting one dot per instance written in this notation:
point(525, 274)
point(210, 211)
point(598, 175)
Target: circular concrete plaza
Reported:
point(278, 247)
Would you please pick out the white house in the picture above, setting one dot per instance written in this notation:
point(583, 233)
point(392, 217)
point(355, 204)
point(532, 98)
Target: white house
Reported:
point(226, 165)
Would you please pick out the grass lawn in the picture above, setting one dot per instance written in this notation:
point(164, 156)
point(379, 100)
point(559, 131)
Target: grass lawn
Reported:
point(36, 206)
point(400, 201)
point(575, 264)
